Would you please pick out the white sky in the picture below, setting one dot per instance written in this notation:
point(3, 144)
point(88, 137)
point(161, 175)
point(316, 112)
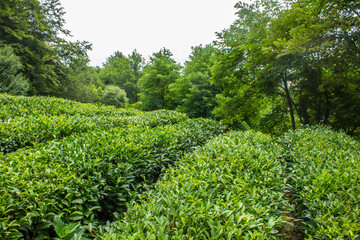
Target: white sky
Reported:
point(146, 25)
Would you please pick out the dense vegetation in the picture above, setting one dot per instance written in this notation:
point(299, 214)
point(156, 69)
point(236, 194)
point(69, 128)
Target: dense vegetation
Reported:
point(77, 169)
point(70, 170)
point(280, 65)
point(246, 185)
point(284, 78)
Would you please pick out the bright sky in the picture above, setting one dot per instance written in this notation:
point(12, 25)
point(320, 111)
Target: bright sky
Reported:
point(146, 25)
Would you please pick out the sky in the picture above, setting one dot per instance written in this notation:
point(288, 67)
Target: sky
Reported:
point(146, 25)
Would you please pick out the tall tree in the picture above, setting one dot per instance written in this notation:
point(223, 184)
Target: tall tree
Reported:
point(237, 69)
point(11, 80)
point(84, 84)
point(304, 54)
point(193, 91)
point(123, 72)
point(33, 28)
point(157, 76)
point(326, 34)
point(136, 65)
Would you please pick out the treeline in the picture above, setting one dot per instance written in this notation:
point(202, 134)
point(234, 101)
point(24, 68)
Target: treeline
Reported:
point(281, 64)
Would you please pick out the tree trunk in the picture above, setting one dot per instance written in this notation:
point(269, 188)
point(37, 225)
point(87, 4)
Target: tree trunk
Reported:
point(288, 99)
point(327, 109)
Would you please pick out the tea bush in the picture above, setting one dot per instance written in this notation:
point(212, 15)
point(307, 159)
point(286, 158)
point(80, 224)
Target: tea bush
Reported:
point(68, 187)
point(232, 188)
point(42, 119)
point(326, 179)
point(20, 132)
point(12, 106)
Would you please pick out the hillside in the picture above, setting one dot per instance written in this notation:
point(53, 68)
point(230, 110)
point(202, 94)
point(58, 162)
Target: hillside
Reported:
point(77, 171)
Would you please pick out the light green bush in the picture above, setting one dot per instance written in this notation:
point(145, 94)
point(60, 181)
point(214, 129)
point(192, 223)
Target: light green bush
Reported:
point(78, 182)
point(325, 177)
point(232, 188)
point(115, 96)
point(11, 80)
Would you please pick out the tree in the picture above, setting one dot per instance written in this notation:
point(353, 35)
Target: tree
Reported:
point(11, 80)
point(193, 92)
point(300, 54)
point(136, 66)
point(84, 84)
point(237, 71)
point(325, 33)
point(123, 72)
point(157, 77)
point(32, 28)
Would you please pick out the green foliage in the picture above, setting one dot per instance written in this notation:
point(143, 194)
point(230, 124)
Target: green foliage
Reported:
point(193, 91)
point(157, 77)
point(123, 72)
point(11, 80)
point(13, 106)
point(67, 231)
point(32, 29)
point(67, 187)
point(57, 118)
point(90, 176)
point(234, 69)
point(324, 168)
point(232, 188)
point(84, 84)
point(114, 96)
point(89, 165)
point(298, 59)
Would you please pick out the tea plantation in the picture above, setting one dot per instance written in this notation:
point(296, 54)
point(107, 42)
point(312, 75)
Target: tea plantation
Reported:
point(79, 171)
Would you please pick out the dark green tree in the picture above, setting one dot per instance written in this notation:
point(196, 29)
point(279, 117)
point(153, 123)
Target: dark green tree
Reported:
point(157, 77)
point(236, 70)
point(136, 65)
point(325, 33)
point(33, 29)
point(124, 72)
point(116, 70)
point(193, 91)
point(115, 96)
point(84, 84)
point(300, 57)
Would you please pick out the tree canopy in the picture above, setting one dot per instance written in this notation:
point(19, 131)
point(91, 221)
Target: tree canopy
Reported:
point(157, 77)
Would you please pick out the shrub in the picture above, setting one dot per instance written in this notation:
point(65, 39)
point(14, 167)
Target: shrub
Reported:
point(114, 96)
point(11, 81)
point(232, 188)
point(78, 182)
point(325, 176)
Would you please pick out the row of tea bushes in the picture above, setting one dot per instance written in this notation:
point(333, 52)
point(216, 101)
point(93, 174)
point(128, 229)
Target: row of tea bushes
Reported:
point(232, 188)
point(13, 106)
point(19, 132)
point(326, 179)
point(157, 118)
point(70, 186)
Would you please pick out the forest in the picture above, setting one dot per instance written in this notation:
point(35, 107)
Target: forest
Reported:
point(281, 65)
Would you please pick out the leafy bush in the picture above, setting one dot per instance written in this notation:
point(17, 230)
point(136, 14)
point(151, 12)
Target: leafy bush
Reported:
point(232, 188)
point(11, 81)
point(13, 106)
point(54, 119)
point(326, 179)
point(115, 96)
point(76, 183)
point(22, 132)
